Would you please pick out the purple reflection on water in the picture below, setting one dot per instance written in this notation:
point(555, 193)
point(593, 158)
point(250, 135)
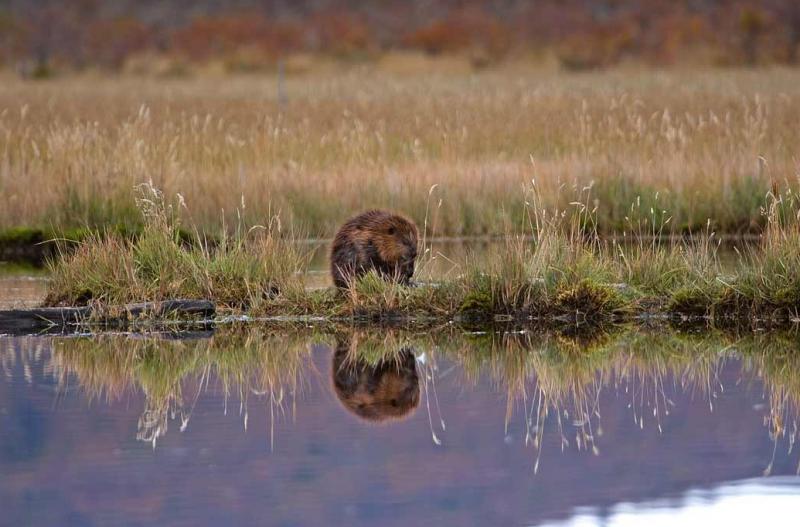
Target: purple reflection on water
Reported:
point(67, 459)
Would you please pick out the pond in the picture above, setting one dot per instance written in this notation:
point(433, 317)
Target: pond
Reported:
point(415, 426)
point(21, 286)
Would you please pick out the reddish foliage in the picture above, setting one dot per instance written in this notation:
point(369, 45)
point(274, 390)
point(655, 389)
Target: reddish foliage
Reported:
point(584, 33)
point(110, 42)
point(342, 33)
point(463, 29)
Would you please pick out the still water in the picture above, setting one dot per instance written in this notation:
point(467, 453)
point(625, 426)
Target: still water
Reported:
point(342, 426)
point(21, 287)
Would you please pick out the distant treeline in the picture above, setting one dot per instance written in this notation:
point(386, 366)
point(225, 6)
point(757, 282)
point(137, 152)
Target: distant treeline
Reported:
point(37, 35)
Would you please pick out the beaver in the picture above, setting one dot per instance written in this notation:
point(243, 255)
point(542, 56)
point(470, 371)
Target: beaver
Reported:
point(376, 239)
point(386, 390)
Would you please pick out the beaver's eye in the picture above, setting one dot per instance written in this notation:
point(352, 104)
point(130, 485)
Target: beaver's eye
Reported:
point(391, 231)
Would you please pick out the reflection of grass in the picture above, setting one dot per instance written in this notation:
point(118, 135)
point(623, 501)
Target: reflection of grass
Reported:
point(243, 363)
point(551, 375)
point(559, 376)
point(775, 359)
point(551, 378)
point(372, 347)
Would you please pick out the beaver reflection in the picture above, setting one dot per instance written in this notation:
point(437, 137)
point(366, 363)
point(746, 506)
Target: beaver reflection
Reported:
point(386, 390)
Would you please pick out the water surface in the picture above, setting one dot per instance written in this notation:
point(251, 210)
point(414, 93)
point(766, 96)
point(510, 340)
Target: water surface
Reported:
point(261, 426)
point(21, 286)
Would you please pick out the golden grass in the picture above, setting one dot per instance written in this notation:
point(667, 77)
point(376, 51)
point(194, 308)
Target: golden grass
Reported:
point(701, 144)
point(560, 272)
point(244, 271)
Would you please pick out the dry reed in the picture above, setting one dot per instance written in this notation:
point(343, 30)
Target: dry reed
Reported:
point(709, 143)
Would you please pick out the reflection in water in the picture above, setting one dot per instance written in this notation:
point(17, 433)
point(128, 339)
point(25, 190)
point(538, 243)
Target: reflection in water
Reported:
point(387, 387)
point(173, 373)
point(549, 378)
point(560, 379)
point(563, 378)
point(638, 415)
point(745, 502)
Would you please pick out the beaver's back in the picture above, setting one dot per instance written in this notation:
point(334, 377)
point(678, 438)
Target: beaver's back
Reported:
point(376, 239)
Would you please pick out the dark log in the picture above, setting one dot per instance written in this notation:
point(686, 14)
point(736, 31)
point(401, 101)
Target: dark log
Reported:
point(20, 321)
point(171, 308)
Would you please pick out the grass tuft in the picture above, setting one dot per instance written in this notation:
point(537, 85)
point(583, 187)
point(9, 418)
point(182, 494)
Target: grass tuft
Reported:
point(242, 272)
point(690, 301)
point(590, 301)
point(559, 268)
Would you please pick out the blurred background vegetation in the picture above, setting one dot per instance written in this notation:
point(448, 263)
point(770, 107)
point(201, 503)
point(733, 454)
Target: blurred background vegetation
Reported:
point(41, 37)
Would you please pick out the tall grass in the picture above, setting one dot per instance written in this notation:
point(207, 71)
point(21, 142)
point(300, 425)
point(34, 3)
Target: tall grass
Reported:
point(554, 268)
point(557, 266)
point(241, 271)
point(72, 150)
point(769, 278)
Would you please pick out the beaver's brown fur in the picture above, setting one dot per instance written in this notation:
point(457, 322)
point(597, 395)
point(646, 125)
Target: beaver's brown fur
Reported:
point(376, 239)
point(388, 390)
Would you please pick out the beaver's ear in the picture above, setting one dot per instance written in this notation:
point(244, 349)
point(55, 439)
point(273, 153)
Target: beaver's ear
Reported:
point(391, 231)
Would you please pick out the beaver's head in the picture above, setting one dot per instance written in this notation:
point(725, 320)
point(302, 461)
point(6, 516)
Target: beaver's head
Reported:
point(397, 244)
point(388, 390)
